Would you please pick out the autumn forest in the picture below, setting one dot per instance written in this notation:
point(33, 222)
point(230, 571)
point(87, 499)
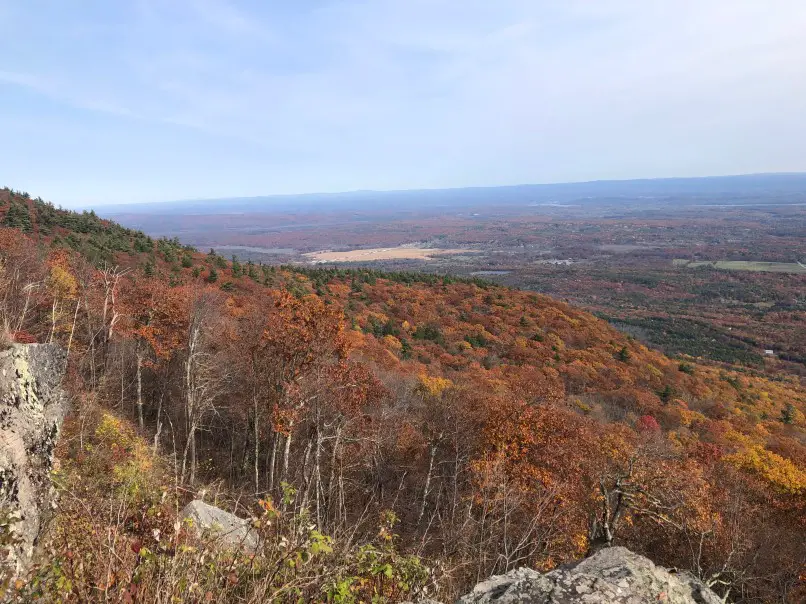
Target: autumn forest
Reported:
point(392, 434)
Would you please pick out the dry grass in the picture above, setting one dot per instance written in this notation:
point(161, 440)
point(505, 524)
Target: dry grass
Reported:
point(6, 339)
point(745, 265)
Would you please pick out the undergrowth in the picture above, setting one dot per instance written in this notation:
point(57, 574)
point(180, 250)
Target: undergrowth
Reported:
point(118, 536)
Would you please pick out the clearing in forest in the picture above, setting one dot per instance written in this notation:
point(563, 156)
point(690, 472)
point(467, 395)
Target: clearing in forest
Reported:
point(744, 265)
point(380, 253)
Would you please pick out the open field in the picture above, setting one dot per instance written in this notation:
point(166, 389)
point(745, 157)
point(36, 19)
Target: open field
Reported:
point(381, 253)
point(745, 265)
point(618, 248)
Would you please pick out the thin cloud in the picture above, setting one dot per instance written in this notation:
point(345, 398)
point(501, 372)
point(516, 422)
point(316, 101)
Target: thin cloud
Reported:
point(397, 93)
point(227, 17)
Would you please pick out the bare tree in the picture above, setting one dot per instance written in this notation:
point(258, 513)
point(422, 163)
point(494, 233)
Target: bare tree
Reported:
point(204, 377)
point(621, 493)
point(110, 314)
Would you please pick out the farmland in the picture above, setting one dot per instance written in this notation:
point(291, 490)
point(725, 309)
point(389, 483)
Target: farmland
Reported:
point(744, 265)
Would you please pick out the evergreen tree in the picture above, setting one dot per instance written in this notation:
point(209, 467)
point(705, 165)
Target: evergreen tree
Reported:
point(788, 414)
point(666, 394)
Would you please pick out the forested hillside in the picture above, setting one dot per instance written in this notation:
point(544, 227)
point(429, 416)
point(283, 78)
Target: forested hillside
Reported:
point(392, 433)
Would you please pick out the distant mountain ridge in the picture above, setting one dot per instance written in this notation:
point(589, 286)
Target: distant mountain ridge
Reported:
point(772, 187)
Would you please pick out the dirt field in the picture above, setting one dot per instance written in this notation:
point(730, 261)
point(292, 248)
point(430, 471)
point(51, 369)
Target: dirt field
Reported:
point(381, 253)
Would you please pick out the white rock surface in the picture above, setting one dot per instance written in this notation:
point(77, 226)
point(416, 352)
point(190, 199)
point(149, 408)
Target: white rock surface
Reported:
point(210, 521)
point(32, 406)
point(613, 575)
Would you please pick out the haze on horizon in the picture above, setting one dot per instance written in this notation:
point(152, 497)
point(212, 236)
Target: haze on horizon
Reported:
point(180, 99)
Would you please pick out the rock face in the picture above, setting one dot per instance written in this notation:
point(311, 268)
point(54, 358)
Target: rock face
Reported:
point(613, 575)
point(229, 529)
point(32, 406)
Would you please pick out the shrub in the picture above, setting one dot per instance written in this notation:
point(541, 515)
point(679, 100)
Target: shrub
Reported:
point(8, 539)
point(686, 368)
point(6, 338)
point(666, 394)
point(647, 423)
point(145, 554)
point(430, 332)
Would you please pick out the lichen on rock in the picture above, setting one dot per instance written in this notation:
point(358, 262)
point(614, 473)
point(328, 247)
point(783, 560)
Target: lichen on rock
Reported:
point(32, 406)
point(612, 575)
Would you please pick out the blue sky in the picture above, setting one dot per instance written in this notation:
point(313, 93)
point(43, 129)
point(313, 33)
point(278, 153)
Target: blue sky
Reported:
point(143, 100)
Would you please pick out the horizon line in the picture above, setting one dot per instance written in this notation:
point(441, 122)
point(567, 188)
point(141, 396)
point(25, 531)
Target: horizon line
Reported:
point(432, 189)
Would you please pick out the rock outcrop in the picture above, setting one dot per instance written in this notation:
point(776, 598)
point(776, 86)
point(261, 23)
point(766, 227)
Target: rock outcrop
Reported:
point(613, 575)
point(209, 521)
point(32, 406)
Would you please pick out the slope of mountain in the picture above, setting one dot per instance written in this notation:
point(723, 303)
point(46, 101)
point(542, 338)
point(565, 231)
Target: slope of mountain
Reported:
point(487, 428)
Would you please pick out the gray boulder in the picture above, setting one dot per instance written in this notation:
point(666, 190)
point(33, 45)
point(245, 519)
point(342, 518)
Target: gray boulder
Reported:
point(32, 407)
point(208, 521)
point(612, 575)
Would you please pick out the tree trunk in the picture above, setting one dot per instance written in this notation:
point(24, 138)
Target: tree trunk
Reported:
point(333, 456)
point(190, 419)
point(306, 476)
point(427, 486)
point(159, 427)
point(73, 328)
point(189, 457)
point(53, 320)
point(257, 450)
point(273, 461)
point(25, 307)
point(140, 390)
point(193, 456)
point(333, 497)
point(286, 453)
point(317, 475)
point(91, 337)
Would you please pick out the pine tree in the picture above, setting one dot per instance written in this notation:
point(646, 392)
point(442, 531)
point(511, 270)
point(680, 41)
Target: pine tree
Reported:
point(788, 414)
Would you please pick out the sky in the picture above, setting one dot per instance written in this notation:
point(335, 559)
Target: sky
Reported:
point(145, 100)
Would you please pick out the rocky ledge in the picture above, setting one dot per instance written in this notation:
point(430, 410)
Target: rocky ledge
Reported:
point(32, 406)
point(613, 575)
